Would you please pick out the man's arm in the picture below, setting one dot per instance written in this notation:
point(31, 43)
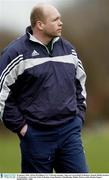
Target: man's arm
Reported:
point(80, 88)
point(9, 111)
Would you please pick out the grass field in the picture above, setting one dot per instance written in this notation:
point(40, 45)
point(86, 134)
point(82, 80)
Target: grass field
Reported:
point(9, 153)
point(96, 146)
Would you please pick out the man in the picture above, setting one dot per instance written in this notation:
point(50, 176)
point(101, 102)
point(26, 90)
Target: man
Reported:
point(43, 97)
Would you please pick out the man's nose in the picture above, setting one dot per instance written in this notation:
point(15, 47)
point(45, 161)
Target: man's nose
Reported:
point(60, 23)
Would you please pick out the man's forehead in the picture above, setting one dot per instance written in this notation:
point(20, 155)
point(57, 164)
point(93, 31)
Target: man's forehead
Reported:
point(50, 10)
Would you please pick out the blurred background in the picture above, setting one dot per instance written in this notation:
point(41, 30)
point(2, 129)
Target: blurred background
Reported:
point(86, 25)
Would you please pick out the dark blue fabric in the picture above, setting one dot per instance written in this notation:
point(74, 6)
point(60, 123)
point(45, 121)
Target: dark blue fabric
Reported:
point(59, 148)
point(48, 93)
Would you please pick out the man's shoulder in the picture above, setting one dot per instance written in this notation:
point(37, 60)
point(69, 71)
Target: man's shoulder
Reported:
point(15, 45)
point(67, 43)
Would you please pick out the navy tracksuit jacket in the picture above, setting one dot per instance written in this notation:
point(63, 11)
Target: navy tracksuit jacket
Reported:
point(39, 87)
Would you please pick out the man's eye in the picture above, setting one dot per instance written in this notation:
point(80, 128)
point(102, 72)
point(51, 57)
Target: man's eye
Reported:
point(54, 19)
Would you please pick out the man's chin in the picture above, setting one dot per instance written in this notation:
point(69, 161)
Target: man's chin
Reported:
point(58, 35)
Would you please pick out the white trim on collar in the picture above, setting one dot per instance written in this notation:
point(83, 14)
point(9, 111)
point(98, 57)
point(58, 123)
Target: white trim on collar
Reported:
point(34, 39)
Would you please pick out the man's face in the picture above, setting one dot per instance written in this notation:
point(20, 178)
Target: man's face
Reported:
point(53, 24)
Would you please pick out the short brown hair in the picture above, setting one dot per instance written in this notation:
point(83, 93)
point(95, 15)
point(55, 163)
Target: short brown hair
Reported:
point(36, 14)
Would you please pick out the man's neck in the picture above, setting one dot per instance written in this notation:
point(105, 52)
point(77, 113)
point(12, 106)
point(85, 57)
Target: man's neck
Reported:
point(44, 40)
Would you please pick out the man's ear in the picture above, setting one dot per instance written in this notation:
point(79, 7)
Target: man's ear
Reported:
point(40, 25)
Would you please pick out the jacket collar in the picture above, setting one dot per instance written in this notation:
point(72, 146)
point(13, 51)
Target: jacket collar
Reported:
point(34, 39)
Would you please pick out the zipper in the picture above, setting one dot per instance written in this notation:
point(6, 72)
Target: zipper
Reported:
point(50, 55)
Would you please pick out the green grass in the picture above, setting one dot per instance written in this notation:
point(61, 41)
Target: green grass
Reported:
point(9, 153)
point(96, 146)
point(97, 151)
